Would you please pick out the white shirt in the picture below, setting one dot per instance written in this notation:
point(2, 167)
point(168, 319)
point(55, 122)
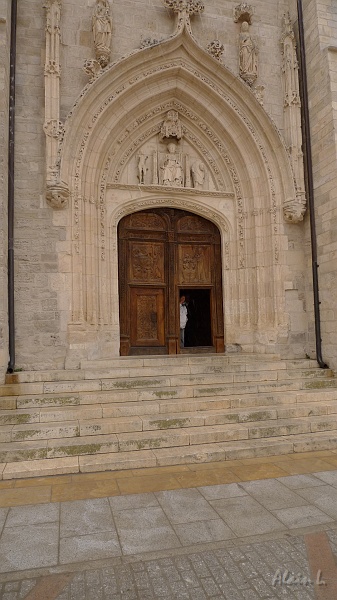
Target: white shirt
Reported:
point(183, 316)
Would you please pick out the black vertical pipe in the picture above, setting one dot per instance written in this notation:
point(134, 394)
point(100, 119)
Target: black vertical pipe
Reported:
point(11, 147)
point(310, 183)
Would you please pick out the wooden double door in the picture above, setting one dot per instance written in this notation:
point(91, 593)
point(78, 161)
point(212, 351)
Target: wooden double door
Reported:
point(165, 253)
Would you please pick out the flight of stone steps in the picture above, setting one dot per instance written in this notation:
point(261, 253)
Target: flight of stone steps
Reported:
point(133, 412)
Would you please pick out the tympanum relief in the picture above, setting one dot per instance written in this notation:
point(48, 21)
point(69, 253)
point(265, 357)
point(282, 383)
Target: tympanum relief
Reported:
point(169, 160)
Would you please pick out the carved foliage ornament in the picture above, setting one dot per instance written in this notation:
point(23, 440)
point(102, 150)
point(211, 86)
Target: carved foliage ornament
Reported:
point(243, 12)
point(191, 7)
point(57, 195)
point(216, 49)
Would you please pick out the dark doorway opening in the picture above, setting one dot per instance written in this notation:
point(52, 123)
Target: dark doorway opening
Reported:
point(198, 331)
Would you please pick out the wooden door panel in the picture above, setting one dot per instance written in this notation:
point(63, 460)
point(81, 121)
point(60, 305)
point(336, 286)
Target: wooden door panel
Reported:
point(194, 264)
point(147, 317)
point(147, 262)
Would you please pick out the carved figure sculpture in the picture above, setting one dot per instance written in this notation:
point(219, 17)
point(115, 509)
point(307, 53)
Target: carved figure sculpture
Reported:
point(102, 28)
point(172, 172)
point(142, 168)
point(198, 175)
point(172, 126)
point(248, 55)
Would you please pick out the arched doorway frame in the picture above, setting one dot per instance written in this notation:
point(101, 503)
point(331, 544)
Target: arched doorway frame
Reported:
point(99, 134)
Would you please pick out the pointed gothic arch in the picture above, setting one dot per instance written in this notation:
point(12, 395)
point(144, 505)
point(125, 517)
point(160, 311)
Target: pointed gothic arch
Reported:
point(246, 159)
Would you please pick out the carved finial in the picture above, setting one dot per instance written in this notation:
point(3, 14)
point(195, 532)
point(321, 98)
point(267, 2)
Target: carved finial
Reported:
point(243, 12)
point(185, 9)
point(216, 49)
point(102, 28)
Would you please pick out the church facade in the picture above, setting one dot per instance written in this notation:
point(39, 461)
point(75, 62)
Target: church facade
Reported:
point(159, 151)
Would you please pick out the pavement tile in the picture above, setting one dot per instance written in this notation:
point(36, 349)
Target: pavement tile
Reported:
point(133, 501)
point(3, 515)
point(159, 470)
point(203, 531)
point(37, 481)
point(304, 516)
point(246, 517)
point(201, 478)
point(20, 496)
point(145, 530)
point(308, 465)
point(148, 483)
point(273, 494)
point(230, 490)
point(84, 490)
point(257, 472)
point(32, 515)
point(33, 546)
point(295, 482)
point(85, 517)
point(103, 544)
point(324, 497)
point(185, 506)
point(329, 477)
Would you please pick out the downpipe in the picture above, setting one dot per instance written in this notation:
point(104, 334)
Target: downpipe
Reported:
point(11, 149)
point(310, 184)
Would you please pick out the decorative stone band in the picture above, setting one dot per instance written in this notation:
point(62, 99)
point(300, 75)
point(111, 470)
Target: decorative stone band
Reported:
point(57, 195)
point(191, 7)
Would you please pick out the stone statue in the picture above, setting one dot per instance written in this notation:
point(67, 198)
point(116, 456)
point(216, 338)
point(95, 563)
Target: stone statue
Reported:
point(198, 175)
point(171, 127)
point(142, 168)
point(172, 172)
point(102, 28)
point(248, 55)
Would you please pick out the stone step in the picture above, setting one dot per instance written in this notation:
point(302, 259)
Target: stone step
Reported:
point(135, 433)
point(242, 371)
point(38, 464)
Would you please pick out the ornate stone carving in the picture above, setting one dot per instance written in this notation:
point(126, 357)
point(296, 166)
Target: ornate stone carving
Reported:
point(259, 93)
point(57, 195)
point(102, 28)
point(292, 120)
point(294, 209)
point(172, 126)
point(92, 68)
point(216, 49)
point(243, 12)
point(247, 55)
point(57, 192)
point(171, 169)
point(147, 42)
point(184, 9)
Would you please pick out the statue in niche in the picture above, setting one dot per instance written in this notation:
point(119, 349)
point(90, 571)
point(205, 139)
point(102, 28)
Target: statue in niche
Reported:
point(102, 30)
point(248, 55)
point(198, 175)
point(171, 169)
point(172, 126)
point(142, 168)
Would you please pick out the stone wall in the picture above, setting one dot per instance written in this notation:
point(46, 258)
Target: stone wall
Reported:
point(42, 235)
point(4, 101)
point(320, 21)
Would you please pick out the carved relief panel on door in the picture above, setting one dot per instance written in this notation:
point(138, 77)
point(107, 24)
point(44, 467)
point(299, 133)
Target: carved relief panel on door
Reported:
point(147, 262)
point(194, 264)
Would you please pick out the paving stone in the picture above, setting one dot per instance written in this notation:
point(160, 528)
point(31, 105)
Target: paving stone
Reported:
point(33, 514)
point(229, 490)
point(144, 530)
point(29, 547)
point(103, 544)
point(329, 477)
point(83, 517)
point(295, 482)
point(324, 497)
point(134, 501)
point(272, 494)
point(203, 531)
point(185, 506)
point(304, 516)
point(246, 517)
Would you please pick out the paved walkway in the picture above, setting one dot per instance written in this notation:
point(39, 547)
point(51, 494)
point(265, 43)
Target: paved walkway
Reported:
point(185, 532)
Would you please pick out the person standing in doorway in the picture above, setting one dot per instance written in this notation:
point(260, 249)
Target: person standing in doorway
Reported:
point(183, 320)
